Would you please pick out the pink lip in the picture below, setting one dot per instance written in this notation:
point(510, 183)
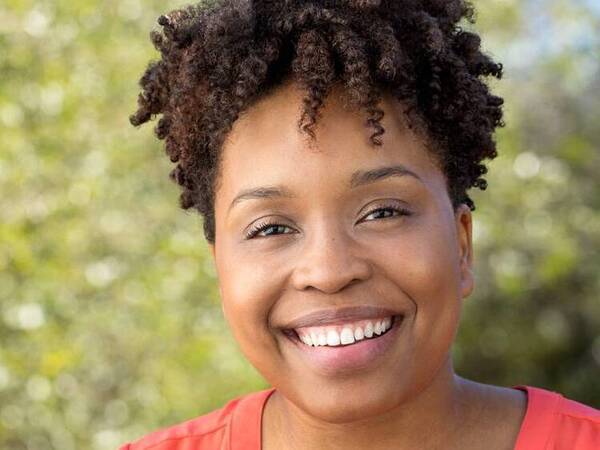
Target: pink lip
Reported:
point(363, 355)
point(339, 315)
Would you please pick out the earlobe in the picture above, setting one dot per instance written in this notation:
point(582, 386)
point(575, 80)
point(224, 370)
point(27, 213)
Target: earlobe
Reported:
point(464, 230)
point(467, 282)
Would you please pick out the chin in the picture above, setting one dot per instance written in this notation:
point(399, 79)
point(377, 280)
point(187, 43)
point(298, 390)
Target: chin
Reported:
point(349, 403)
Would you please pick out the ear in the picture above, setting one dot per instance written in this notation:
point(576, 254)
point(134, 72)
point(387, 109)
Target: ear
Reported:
point(464, 230)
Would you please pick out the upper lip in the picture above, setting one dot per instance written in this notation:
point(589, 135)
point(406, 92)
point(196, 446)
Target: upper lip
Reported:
point(339, 315)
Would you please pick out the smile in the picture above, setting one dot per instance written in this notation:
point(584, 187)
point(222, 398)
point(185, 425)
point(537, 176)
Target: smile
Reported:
point(334, 350)
point(344, 334)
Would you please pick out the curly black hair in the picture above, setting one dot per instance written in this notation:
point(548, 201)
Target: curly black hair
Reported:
point(220, 56)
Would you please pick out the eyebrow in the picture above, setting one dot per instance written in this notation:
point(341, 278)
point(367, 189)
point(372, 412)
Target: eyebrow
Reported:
point(358, 178)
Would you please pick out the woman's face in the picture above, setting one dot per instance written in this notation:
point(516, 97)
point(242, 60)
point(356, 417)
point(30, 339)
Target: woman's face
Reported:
point(343, 232)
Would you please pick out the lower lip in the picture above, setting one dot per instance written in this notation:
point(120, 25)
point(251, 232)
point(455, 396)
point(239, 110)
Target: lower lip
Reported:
point(349, 358)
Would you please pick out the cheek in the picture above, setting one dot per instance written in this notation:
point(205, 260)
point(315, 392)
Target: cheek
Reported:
point(424, 261)
point(248, 294)
point(425, 267)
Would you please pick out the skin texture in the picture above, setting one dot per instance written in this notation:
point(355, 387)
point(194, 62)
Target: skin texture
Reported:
point(329, 248)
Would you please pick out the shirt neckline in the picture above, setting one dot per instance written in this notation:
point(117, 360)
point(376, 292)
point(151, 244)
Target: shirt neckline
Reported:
point(535, 430)
point(245, 431)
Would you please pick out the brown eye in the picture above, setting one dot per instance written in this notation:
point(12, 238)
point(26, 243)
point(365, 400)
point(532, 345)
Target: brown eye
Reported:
point(264, 226)
point(275, 229)
point(390, 210)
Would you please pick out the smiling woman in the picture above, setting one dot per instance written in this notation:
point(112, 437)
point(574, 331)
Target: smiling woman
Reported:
point(358, 241)
point(342, 259)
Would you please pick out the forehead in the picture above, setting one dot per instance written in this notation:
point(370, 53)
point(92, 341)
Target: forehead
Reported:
point(265, 145)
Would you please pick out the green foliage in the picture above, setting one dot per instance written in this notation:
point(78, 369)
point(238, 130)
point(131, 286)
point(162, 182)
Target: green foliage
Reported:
point(535, 316)
point(110, 322)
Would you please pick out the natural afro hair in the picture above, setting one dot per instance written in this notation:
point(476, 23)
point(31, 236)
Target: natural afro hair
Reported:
point(219, 56)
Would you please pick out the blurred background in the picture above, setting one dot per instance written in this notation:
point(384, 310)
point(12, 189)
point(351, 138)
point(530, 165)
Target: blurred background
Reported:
point(110, 322)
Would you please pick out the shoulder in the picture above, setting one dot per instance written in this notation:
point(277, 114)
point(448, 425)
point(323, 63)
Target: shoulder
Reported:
point(205, 432)
point(554, 422)
point(579, 425)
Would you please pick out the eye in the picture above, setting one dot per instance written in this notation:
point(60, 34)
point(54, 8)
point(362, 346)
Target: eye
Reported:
point(261, 227)
point(389, 208)
point(264, 226)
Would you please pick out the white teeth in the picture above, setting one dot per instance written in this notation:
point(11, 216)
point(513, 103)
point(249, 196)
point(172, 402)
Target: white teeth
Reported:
point(346, 336)
point(333, 338)
point(387, 323)
point(358, 334)
point(369, 330)
point(322, 339)
point(314, 338)
point(377, 328)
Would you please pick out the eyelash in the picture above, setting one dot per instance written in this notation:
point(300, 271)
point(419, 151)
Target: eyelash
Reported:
point(262, 226)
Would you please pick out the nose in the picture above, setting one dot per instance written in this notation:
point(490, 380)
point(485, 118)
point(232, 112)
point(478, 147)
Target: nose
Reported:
point(329, 261)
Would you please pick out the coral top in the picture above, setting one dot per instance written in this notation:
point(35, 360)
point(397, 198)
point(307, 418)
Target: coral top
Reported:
point(551, 422)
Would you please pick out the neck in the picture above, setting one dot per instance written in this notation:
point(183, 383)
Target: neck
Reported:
point(431, 418)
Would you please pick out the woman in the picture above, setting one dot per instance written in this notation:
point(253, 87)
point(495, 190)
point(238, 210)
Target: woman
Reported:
point(343, 259)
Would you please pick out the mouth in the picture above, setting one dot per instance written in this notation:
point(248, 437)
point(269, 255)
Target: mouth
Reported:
point(334, 353)
point(344, 334)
